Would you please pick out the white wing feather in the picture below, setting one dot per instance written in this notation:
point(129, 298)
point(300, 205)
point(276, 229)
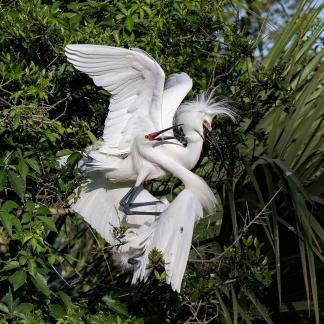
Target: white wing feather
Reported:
point(135, 81)
point(176, 88)
point(99, 201)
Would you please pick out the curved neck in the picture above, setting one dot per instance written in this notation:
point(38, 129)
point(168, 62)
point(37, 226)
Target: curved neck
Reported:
point(192, 150)
point(191, 181)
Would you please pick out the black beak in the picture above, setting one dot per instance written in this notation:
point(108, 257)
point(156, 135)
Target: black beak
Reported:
point(154, 136)
point(212, 141)
point(210, 138)
point(164, 138)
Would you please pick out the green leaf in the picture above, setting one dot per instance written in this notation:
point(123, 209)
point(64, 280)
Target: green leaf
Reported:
point(304, 265)
point(270, 186)
point(8, 300)
point(115, 305)
point(235, 305)
point(116, 36)
point(53, 137)
point(312, 275)
point(148, 10)
point(231, 200)
point(260, 307)
point(23, 169)
point(73, 159)
point(40, 283)
point(226, 312)
point(66, 300)
point(3, 179)
point(18, 279)
point(75, 19)
point(17, 183)
point(33, 164)
point(16, 122)
point(31, 266)
point(92, 137)
point(57, 311)
point(48, 223)
point(129, 23)
point(24, 308)
point(101, 318)
point(7, 221)
point(10, 265)
point(4, 308)
point(64, 153)
point(9, 205)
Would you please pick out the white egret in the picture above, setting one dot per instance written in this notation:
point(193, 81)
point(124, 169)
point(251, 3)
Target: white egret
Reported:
point(141, 104)
point(171, 233)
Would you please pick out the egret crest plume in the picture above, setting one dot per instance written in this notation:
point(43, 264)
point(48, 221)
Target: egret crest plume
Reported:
point(208, 104)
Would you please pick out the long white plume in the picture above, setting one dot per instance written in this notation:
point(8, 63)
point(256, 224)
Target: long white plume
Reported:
point(172, 235)
point(208, 104)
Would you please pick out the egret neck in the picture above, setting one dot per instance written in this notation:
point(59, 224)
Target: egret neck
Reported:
point(192, 150)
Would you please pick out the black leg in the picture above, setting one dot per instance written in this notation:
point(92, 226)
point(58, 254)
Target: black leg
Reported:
point(126, 203)
point(130, 195)
point(147, 203)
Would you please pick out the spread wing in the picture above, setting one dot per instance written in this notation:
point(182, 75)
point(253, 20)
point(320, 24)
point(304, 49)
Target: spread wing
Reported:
point(135, 81)
point(176, 88)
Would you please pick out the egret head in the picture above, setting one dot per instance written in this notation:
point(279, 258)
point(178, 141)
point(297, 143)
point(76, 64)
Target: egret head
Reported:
point(198, 114)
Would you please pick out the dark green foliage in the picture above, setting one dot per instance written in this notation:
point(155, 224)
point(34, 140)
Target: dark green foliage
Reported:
point(267, 169)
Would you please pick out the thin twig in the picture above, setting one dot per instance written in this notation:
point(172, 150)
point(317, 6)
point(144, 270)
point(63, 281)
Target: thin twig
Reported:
point(5, 102)
point(63, 113)
point(61, 276)
point(60, 101)
point(102, 253)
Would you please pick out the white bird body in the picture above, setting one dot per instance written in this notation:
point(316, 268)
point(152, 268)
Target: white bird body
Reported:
point(143, 103)
point(171, 233)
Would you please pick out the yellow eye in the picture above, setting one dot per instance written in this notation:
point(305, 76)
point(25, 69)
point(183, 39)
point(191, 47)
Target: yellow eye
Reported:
point(205, 122)
point(146, 136)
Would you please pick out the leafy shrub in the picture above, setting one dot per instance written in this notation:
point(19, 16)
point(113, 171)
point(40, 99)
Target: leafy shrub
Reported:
point(266, 170)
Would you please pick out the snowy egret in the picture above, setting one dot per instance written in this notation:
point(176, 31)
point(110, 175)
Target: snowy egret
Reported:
point(142, 104)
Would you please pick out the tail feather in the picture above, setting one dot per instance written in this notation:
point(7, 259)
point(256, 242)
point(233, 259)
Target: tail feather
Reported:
point(172, 234)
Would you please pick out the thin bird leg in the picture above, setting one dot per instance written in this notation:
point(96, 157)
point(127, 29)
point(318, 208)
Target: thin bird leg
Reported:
point(148, 203)
point(129, 195)
point(127, 202)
